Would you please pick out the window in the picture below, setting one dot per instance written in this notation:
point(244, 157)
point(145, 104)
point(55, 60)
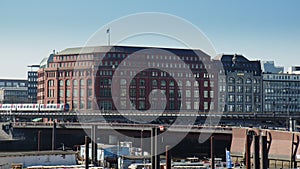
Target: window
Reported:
point(231, 108)
point(132, 92)
point(240, 89)
point(133, 83)
point(61, 83)
point(196, 105)
point(89, 82)
point(188, 83)
point(154, 82)
point(123, 82)
point(248, 81)
point(172, 93)
point(163, 83)
point(75, 82)
point(123, 92)
point(239, 98)
point(141, 105)
point(179, 83)
point(142, 82)
point(205, 94)
point(231, 98)
point(68, 93)
point(211, 94)
point(239, 81)
point(188, 105)
point(75, 93)
point(231, 88)
point(205, 104)
point(81, 82)
point(196, 93)
point(61, 93)
point(82, 103)
point(188, 93)
point(196, 84)
point(231, 80)
point(248, 98)
point(142, 93)
point(105, 92)
point(248, 89)
point(90, 92)
point(123, 104)
point(82, 92)
point(172, 83)
point(248, 108)
point(205, 84)
point(67, 83)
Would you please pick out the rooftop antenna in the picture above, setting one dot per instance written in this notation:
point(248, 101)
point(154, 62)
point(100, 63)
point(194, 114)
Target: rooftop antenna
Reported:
point(108, 34)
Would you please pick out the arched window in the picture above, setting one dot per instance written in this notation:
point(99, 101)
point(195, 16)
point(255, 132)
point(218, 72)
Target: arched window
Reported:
point(188, 83)
point(89, 82)
point(133, 82)
point(171, 83)
point(75, 82)
point(163, 83)
point(196, 84)
point(67, 83)
point(179, 83)
point(231, 80)
point(81, 82)
point(248, 81)
point(61, 83)
point(154, 82)
point(123, 82)
point(239, 81)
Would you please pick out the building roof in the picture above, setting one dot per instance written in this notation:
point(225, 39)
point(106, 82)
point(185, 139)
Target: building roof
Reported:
point(45, 61)
point(130, 49)
point(14, 88)
point(229, 57)
point(236, 62)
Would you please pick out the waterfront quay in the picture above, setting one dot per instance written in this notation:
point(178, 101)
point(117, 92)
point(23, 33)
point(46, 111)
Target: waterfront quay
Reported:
point(278, 148)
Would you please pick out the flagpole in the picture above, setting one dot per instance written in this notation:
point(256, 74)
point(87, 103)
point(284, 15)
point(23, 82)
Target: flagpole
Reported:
point(108, 40)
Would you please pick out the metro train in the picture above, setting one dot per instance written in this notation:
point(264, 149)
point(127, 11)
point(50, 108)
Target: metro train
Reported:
point(34, 107)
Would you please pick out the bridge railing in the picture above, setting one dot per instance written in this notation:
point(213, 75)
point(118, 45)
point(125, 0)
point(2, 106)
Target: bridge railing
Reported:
point(137, 126)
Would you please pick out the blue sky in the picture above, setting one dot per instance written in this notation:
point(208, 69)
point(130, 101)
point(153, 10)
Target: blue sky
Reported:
point(31, 29)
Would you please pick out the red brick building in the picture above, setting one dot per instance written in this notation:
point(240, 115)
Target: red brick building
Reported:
point(83, 78)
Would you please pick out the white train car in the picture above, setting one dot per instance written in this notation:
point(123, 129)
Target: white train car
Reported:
point(34, 107)
point(52, 107)
point(28, 107)
point(7, 107)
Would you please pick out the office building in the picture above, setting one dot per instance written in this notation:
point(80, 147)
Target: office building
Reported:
point(12, 95)
point(240, 85)
point(281, 93)
point(32, 77)
point(83, 78)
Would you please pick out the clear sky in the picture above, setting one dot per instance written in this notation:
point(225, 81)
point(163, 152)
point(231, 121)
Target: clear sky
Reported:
point(31, 29)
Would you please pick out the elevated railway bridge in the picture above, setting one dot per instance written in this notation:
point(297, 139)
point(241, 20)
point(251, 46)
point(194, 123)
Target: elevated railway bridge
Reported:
point(229, 119)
